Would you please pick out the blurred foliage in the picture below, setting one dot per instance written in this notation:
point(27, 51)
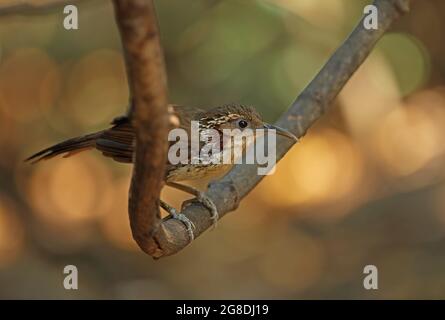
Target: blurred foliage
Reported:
point(365, 186)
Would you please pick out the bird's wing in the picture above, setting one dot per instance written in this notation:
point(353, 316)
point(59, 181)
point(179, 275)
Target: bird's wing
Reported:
point(118, 141)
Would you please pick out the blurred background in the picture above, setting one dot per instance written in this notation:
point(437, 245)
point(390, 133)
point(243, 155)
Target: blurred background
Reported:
point(366, 185)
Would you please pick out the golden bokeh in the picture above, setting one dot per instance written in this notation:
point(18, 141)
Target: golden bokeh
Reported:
point(71, 191)
point(96, 88)
point(115, 225)
point(411, 136)
point(29, 84)
point(324, 161)
point(12, 233)
point(371, 93)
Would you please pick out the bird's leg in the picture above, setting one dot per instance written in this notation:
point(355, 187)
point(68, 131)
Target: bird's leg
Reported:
point(181, 217)
point(201, 197)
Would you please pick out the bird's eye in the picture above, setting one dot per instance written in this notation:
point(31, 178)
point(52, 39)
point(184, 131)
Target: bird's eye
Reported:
point(242, 123)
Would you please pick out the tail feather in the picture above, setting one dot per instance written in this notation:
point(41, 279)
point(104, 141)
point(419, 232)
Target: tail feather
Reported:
point(69, 147)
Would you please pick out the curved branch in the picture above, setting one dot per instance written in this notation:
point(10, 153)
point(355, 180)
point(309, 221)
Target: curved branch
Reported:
point(310, 105)
point(147, 80)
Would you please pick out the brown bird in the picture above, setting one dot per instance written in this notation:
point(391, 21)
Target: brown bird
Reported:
point(118, 143)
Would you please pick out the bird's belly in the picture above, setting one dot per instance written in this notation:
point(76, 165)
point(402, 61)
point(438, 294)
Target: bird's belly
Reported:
point(196, 172)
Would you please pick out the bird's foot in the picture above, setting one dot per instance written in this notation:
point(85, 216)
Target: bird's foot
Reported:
point(174, 214)
point(200, 197)
point(208, 203)
point(186, 221)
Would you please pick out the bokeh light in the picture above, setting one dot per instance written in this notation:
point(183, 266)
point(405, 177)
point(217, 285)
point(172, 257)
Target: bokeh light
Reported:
point(411, 136)
point(371, 93)
point(12, 233)
point(97, 82)
point(413, 67)
point(115, 224)
point(324, 161)
point(29, 84)
point(71, 191)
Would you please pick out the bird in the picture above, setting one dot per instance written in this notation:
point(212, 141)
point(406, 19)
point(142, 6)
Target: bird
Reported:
point(118, 143)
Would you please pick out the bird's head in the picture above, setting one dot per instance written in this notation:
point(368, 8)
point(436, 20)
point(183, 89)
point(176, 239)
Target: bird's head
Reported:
point(239, 117)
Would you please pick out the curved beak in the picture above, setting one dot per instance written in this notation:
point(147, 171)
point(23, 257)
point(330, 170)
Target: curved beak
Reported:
point(281, 131)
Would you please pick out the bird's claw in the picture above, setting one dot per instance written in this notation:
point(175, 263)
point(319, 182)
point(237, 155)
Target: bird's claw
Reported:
point(186, 221)
point(200, 197)
point(208, 203)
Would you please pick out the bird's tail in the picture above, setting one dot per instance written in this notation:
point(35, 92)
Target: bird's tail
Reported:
point(69, 147)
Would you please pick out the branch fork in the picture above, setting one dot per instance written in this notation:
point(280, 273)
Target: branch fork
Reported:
point(161, 238)
point(149, 111)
